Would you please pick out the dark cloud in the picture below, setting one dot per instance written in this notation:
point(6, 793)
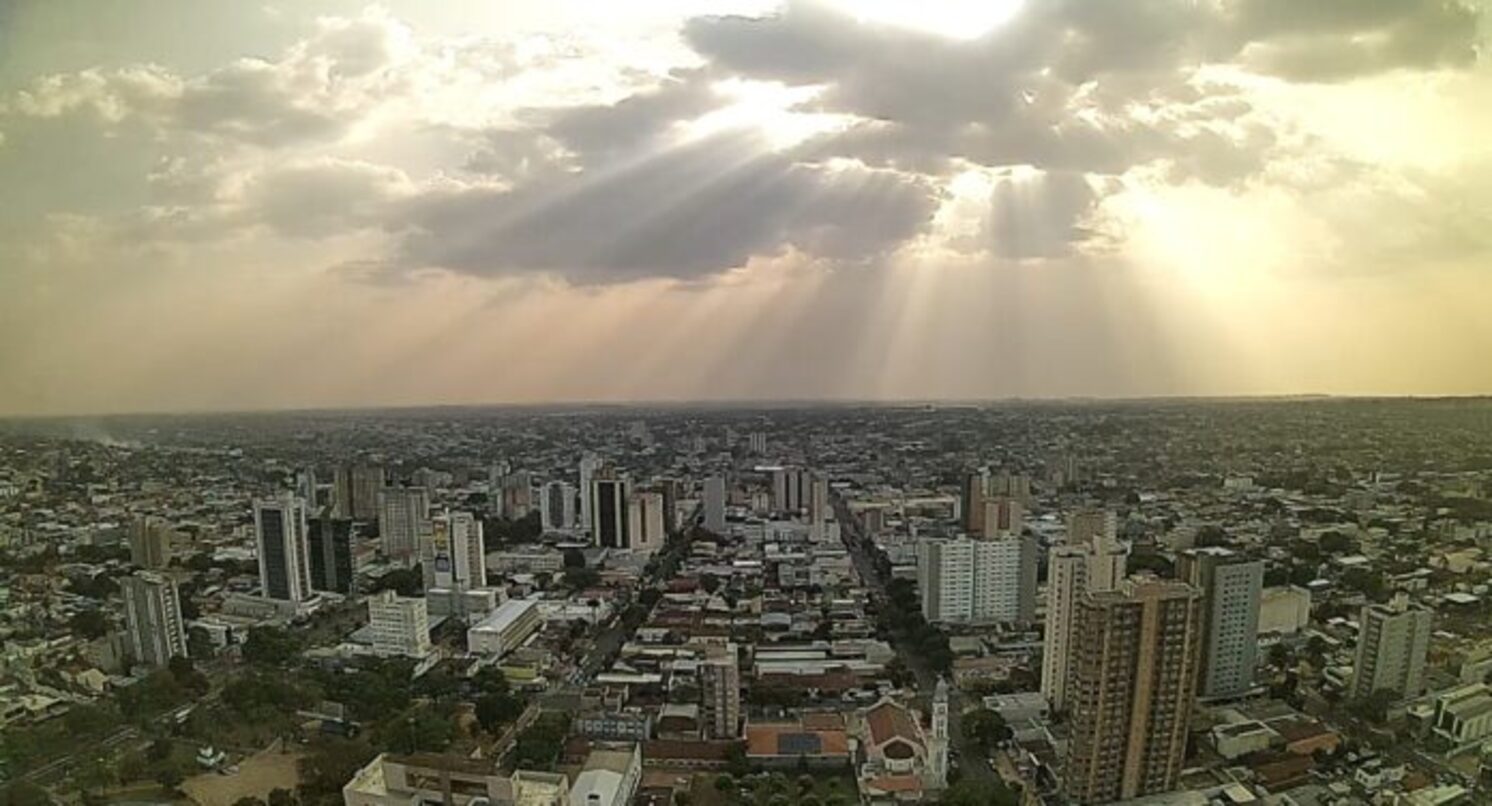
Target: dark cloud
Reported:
point(681, 212)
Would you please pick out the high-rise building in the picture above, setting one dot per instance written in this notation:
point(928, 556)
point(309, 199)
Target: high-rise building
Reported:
point(1230, 584)
point(609, 519)
point(403, 518)
point(284, 556)
point(1086, 524)
point(453, 555)
point(971, 502)
point(714, 505)
point(645, 521)
point(757, 443)
point(1392, 641)
point(308, 488)
point(1133, 679)
point(517, 494)
point(1003, 515)
point(355, 492)
point(1005, 484)
point(150, 543)
point(400, 624)
point(978, 581)
point(1094, 562)
point(790, 490)
point(590, 465)
point(818, 508)
point(333, 555)
point(720, 693)
point(557, 506)
point(152, 613)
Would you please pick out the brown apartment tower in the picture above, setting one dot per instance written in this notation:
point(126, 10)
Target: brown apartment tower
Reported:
point(1135, 657)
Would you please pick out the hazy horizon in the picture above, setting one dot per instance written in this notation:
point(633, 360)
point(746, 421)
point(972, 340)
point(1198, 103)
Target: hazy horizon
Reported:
point(353, 204)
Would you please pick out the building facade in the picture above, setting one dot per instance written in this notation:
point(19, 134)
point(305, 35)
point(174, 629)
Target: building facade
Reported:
point(284, 556)
point(1231, 587)
point(152, 613)
point(978, 581)
point(1392, 641)
point(403, 519)
point(400, 624)
point(333, 555)
point(1135, 662)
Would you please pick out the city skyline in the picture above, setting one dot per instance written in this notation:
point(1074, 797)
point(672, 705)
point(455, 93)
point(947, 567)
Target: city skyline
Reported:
point(345, 204)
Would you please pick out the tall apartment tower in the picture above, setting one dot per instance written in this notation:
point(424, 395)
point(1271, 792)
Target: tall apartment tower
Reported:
point(150, 543)
point(645, 522)
point(453, 556)
point(1391, 645)
point(1134, 673)
point(400, 624)
point(609, 518)
point(818, 507)
point(355, 490)
point(791, 490)
point(332, 555)
point(590, 465)
point(720, 693)
point(403, 518)
point(1005, 484)
point(1095, 562)
point(284, 555)
point(1003, 515)
point(715, 504)
point(977, 581)
point(971, 501)
point(152, 614)
point(1086, 524)
point(557, 506)
point(1231, 586)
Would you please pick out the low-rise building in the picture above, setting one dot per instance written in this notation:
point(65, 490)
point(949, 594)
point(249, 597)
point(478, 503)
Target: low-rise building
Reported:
point(505, 629)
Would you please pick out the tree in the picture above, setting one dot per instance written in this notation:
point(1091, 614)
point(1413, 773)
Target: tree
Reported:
point(496, 710)
point(169, 777)
point(248, 801)
point(199, 643)
point(968, 791)
point(403, 581)
point(330, 763)
point(270, 646)
point(581, 578)
point(24, 793)
point(725, 783)
point(282, 797)
point(986, 729)
point(1335, 542)
point(89, 624)
point(186, 675)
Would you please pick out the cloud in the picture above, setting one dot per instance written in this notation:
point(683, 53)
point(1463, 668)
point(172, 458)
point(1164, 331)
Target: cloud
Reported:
point(682, 212)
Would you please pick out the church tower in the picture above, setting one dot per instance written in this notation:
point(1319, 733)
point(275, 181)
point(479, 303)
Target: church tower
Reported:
point(937, 745)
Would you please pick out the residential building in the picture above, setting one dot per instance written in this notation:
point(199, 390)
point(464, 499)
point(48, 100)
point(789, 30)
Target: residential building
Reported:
point(1230, 585)
point(355, 492)
point(1285, 610)
point(645, 521)
point(971, 502)
point(590, 466)
point(403, 519)
point(150, 543)
point(1003, 516)
point(453, 557)
point(400, 624)
point(1133, 678)
point(1392, 641)
point(720, 693)
point(714, 504)
point(284, 555)
point(978, 581)
point(1463, 715)
point(152, 613)
point(333, 555)
point(505, 629)
point(1091, 560)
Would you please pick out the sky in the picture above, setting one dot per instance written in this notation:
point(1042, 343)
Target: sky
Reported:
point(210, 205)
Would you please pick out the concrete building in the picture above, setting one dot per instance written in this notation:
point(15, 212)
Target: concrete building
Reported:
point(645, 521)
point(1392, 641)
point(284, 555)
point(152, 614)
point(400, 624)
point(150, 543)
point(1092, 560)
point(714, 504)
point(1463, 715)
point(1133, 678)
point(403, 519)
point(1285, 610)
point(720, 693)
point(791, 488)
point(355, 492)
point(590, 465)
point(1230, 585)
point(453, 780)
point(971, 502)
point(1004, 484)
point(610, 777)
point(610, 521)
point(557, 506)
point(333, 556)
point(453, 558)
point(977, 581)
point(505, 629)
point(1003, 516)
point(818, 508)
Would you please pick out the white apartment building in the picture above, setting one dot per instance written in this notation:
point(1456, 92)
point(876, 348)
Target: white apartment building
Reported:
point(400, 624)
point(977, 581)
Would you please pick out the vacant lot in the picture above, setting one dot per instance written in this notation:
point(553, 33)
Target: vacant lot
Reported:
point(256, 776)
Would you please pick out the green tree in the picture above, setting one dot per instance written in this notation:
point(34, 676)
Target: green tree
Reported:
point(495, 710)
point(270, 646)
point(24, 793)
point(329, 763)
point(89, 624)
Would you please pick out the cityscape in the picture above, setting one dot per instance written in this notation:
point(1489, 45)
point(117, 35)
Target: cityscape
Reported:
point(745, 402)
point(1155, 602)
